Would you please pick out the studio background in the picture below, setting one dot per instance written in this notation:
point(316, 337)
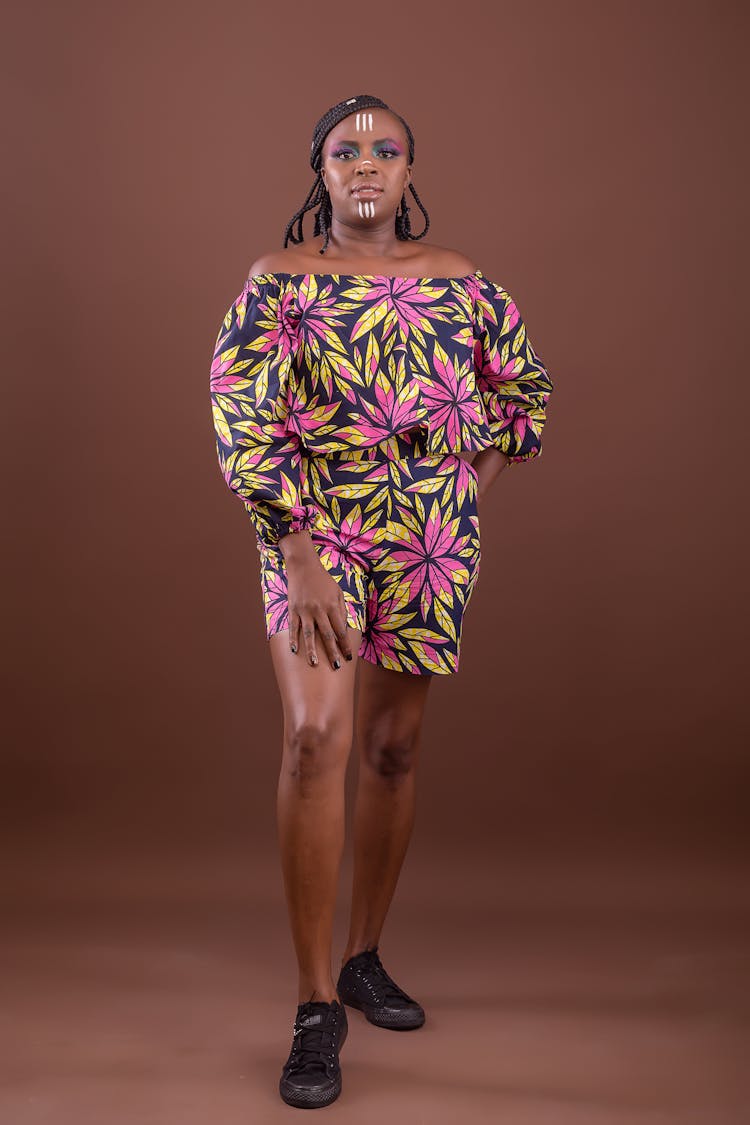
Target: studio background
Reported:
point(578, 866)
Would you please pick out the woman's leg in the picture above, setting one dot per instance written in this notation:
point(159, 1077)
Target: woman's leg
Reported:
point(318, 706)
point(389, 718)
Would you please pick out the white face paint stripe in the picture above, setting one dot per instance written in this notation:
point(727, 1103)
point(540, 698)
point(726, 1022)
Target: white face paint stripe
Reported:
point(366, 208)
point(370, 117)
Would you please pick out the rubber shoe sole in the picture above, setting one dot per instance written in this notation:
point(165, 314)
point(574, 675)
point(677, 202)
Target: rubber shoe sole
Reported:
point(395, 1019)
point(312, 1098)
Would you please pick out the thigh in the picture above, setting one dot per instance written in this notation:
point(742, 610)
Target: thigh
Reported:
point(315, 699)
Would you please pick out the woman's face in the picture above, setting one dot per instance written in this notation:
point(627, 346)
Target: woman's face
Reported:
point(365, 166)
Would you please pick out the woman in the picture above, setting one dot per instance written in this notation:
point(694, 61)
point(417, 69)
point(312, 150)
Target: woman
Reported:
point(342, 402)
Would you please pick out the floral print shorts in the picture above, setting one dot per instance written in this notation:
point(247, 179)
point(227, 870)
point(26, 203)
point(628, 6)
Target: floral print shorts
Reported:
point(400, 535)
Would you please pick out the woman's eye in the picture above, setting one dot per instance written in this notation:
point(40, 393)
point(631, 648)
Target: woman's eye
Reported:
point(346, 154)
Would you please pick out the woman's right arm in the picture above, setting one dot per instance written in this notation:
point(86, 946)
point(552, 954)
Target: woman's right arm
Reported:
point(260, 459)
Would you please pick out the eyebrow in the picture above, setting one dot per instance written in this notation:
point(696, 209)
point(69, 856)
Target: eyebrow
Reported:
point(379, 141)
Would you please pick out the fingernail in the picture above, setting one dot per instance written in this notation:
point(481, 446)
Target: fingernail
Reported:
point(337, 663)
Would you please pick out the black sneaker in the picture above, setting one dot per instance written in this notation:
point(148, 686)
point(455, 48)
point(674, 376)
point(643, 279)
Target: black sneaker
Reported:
point(311, 1076)
point(363, 983)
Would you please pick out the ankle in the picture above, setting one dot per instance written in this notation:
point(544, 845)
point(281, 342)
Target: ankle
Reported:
point(327, 995)
point(355, 948)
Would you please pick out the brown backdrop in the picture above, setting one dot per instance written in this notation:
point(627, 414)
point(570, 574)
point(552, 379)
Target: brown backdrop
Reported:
point(590, 754)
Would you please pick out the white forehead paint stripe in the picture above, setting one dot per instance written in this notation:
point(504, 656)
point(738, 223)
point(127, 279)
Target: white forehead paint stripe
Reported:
point(370, 117)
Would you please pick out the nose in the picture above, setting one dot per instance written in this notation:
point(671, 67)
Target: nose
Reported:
point(363, 166)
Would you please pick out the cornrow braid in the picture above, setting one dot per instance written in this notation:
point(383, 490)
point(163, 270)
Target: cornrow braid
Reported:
point(318, 194)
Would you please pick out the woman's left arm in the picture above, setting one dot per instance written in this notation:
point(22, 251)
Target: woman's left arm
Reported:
point(489, 464)
point(513, 381)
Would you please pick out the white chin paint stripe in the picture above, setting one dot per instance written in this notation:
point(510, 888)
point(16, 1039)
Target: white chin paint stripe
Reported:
point(366, 208)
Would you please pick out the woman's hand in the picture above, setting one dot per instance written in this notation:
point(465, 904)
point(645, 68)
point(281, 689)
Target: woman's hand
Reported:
point(315, 601)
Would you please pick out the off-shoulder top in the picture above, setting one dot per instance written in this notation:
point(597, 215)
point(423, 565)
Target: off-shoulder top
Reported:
point(317, 363)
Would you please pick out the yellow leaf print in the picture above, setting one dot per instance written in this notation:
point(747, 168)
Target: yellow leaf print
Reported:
point(370, 523)
point(427, 636)
point(261, 386)
point(398, 532)
point(226, 403)
point(372, 354)
point(446, 597)
point(425, 659)
point(444, 619)
point(289, 496)
point(428, 484)
point(379, 498)
point(308, 289)
point(369, 320)
point(229, 356)
point(420, 361)
point(353, 491)
point(220, 422)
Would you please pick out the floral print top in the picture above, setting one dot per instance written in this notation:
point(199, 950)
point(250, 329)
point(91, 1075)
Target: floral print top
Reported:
point(319, 363)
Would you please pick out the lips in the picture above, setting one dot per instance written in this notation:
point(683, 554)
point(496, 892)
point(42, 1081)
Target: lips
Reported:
point(367, 189)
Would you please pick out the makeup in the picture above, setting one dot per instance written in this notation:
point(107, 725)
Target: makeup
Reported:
point(384, 145)
point(366, 122)
point(366, 208)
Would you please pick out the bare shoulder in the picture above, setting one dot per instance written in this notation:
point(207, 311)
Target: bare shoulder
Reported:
point(445, 262)
point(276, 261)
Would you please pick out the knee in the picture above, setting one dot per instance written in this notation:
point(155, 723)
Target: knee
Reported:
point(314, 748)
point(391, 754)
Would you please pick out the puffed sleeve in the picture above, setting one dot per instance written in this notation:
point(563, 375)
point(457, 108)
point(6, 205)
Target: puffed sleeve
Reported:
point(259, 458)
point(512, 379)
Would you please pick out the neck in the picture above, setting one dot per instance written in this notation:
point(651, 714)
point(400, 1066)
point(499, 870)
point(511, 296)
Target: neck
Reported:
point(375, 241)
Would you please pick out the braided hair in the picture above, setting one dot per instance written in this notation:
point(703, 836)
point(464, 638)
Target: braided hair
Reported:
point(318, 193)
